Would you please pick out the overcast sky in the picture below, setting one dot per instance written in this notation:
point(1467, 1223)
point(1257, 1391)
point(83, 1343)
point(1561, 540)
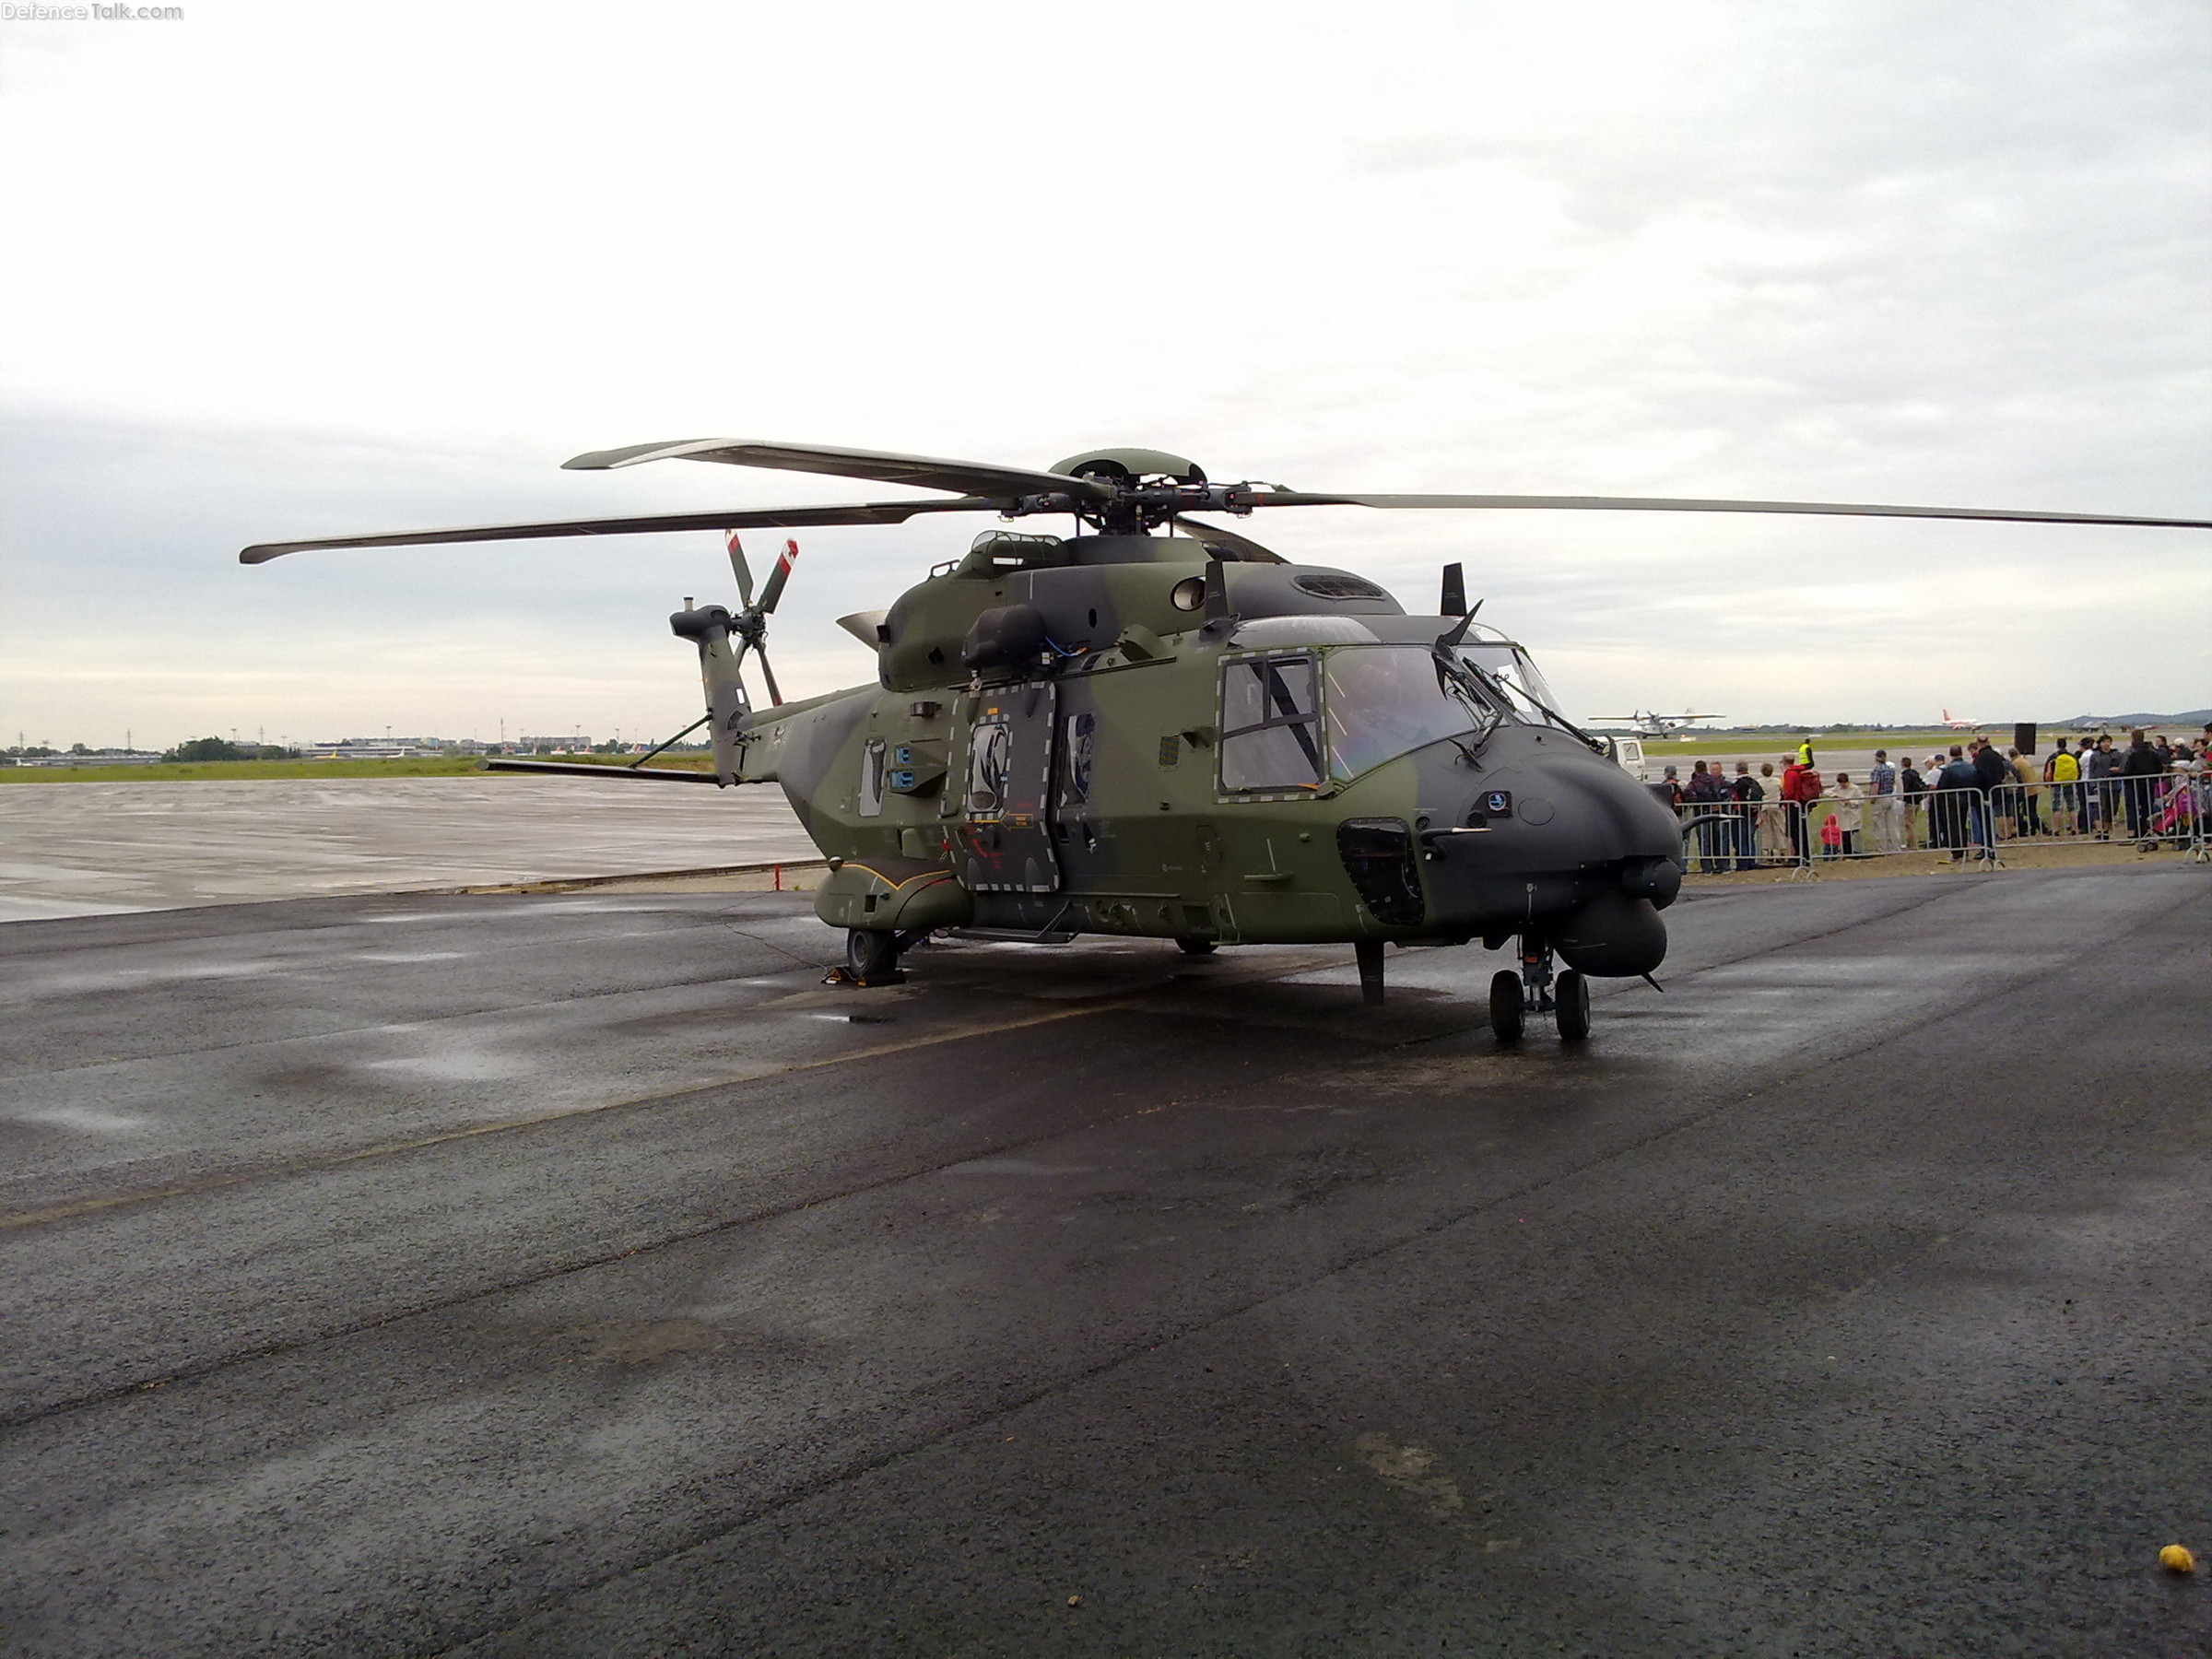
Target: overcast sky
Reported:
point(287, 270)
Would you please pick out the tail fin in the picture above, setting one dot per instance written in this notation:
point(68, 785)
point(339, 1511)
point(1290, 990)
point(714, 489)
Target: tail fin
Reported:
point(718, 659)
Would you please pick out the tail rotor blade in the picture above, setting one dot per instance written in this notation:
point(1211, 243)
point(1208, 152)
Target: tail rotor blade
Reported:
point(771, 593)
point(741, 570)
point(775, 695)
point(1456, 590)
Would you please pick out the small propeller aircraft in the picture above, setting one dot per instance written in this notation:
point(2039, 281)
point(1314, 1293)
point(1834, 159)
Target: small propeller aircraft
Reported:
point(1647, 723)
point(1155, 726)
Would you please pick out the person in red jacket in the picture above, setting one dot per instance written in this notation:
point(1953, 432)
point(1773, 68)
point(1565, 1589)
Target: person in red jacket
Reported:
point(1800, 788)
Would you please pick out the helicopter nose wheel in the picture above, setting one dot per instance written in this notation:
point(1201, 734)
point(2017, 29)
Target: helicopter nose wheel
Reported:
point(1196, 948)
point(1571, 1011)
point(1508, 1010)
point(1534, 990)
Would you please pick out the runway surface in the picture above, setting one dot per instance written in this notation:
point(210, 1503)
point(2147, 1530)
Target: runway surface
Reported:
point(97, 849)
point(577, 1276)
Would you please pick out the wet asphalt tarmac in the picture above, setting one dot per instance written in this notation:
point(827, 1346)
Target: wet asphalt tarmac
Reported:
point(576, 1275)
point(96, 849)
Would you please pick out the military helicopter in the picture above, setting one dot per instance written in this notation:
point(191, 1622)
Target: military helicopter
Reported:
point(1155, 726)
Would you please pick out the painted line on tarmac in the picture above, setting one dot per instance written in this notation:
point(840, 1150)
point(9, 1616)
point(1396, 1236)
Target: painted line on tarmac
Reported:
point(222, 1362)
point(1434, 1225)
point(1278, 969)
point(475, 1131)
point(1918, 897)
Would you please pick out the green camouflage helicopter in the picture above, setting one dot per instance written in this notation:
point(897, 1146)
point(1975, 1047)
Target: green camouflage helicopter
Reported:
point(1158, 727)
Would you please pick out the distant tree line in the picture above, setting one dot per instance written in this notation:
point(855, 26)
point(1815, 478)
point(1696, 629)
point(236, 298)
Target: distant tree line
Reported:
point(217, 749)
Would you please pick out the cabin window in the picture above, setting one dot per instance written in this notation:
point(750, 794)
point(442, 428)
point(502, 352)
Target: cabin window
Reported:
point(990, 747)
point(1270, 724)
point(1074, 778)
point(871, 778)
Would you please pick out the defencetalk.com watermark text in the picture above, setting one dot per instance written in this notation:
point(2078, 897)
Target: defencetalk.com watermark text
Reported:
point(91, 14)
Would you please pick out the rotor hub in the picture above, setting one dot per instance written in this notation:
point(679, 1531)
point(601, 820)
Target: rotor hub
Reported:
point(1119, 467)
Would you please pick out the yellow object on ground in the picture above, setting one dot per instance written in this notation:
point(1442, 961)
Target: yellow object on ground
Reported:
point(2175, 1559)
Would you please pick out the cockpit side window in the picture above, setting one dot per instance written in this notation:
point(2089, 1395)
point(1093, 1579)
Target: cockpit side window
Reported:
point(1270, 724)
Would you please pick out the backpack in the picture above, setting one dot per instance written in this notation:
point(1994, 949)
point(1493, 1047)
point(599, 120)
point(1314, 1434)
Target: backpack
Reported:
point(2062, 767)
point(1706, 787)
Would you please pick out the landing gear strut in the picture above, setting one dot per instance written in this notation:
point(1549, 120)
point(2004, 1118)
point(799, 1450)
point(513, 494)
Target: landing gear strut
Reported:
point(1367, 953)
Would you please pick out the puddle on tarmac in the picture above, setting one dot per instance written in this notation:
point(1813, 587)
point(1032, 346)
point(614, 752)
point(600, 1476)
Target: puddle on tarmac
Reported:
point(89, 1119)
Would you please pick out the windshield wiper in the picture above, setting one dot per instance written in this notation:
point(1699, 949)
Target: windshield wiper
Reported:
point(1456, 676)
point(1462, 672)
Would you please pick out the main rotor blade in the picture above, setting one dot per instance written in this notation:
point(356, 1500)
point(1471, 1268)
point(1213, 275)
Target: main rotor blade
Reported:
point(1227, 544)
point(1299, 497)
point(771, 518)
point(741, 570)
point(775, 696)
point(968, 477)
point(773, 591)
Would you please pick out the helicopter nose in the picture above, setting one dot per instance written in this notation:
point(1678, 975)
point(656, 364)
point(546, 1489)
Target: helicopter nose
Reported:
point(1578, 811)
point(1565, 844)
point(1611, 926)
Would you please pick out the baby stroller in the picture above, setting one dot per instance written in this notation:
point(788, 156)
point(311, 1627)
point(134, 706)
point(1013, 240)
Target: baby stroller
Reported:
point(2173, 817)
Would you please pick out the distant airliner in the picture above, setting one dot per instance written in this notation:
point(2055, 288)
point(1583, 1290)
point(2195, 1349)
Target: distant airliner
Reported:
point(1957, 725)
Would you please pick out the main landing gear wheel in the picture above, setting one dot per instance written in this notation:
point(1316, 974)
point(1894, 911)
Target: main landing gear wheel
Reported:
point(1198, 947)
point(1570, 993)
point(1508, 1010)
point(871, 954)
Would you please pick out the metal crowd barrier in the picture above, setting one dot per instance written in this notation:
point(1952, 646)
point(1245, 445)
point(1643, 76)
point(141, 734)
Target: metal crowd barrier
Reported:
point(1977, 826)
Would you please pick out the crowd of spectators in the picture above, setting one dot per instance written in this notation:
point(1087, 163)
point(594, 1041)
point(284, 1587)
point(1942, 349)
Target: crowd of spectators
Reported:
point(1966, 803)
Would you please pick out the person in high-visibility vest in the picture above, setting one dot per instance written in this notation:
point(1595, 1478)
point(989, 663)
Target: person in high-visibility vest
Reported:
point(2063, 773)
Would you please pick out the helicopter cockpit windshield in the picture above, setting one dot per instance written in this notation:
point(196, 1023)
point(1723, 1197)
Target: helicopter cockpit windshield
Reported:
point(1376, 701)
point(1387, 701)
